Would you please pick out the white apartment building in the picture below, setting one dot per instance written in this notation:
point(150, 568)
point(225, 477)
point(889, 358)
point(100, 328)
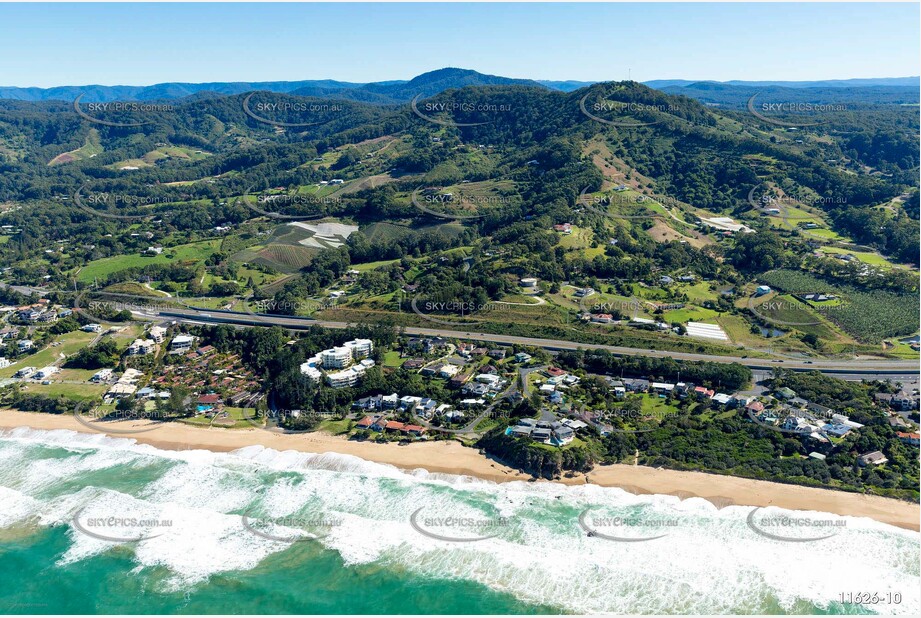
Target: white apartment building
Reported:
point(157, 333)
point(141, 346)
point(361, 348)
point(336, 358)
point(340, 357)
point(346, 377)
point(181, 343)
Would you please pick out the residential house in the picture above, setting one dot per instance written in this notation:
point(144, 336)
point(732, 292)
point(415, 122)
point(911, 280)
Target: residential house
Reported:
point(563, 228)
point(838, 430)
point(637, 385)
point(208, 402)
point(8, 332)
point(820, 410)
point(181, 343)
point(432, 370)
point(563, 434)
point(45, 372)
point(103, 375)
point(448, 371)
point(522, 431)
point(874, 458)
point(120, 389)
point(476, 389)
point(901, 401)
point(409, 402)
point(489, 379)
point(157, 333)
point(909, 438)
point(141, 346)
point(785, 393)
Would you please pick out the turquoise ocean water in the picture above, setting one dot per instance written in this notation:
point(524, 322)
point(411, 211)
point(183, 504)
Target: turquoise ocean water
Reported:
point(91, 524)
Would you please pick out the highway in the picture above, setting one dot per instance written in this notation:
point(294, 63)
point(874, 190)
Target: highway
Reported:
point(848, 369)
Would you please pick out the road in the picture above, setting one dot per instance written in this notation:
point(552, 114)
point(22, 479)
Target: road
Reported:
point(856, 369)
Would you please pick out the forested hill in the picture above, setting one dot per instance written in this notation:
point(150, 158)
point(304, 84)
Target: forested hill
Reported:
point(552, 144)
point(386, 92)
point(738, 96)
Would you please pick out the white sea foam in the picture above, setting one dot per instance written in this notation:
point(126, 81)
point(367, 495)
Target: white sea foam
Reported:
point(710, 562)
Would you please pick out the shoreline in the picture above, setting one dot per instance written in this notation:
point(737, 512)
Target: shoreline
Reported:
point(450, 457)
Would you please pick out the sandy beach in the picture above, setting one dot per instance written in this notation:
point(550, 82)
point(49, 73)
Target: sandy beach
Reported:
point(453, 458)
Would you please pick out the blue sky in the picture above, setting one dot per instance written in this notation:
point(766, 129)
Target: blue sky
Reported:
point(137, 44)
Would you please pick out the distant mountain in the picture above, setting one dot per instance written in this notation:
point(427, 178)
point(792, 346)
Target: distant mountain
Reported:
point(565, 86)
point(913, 82)
point(737, 96)
point(173, 90)
point(427, 85)
point(387, 92)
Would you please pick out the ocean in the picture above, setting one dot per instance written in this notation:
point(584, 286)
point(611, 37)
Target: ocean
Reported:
point(93, 524)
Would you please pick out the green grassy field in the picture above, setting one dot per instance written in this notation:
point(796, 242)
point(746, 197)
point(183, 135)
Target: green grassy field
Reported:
point(825, 234)
point(689, 313)
point(580, 238)
point(102, 268)
point(902, 350)
point(873, 259)
point(655, 406)
point(697, 292)
point(165, 152)
point(90, 148)
point(334, 426)
point(70, 344)
point(77, 392)
point(392, 359)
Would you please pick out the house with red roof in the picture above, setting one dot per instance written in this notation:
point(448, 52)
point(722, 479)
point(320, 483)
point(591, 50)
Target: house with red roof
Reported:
point(909, 438)
point(705, 392)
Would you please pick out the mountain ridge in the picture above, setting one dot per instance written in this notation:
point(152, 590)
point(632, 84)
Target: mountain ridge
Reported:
point(391, 91)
